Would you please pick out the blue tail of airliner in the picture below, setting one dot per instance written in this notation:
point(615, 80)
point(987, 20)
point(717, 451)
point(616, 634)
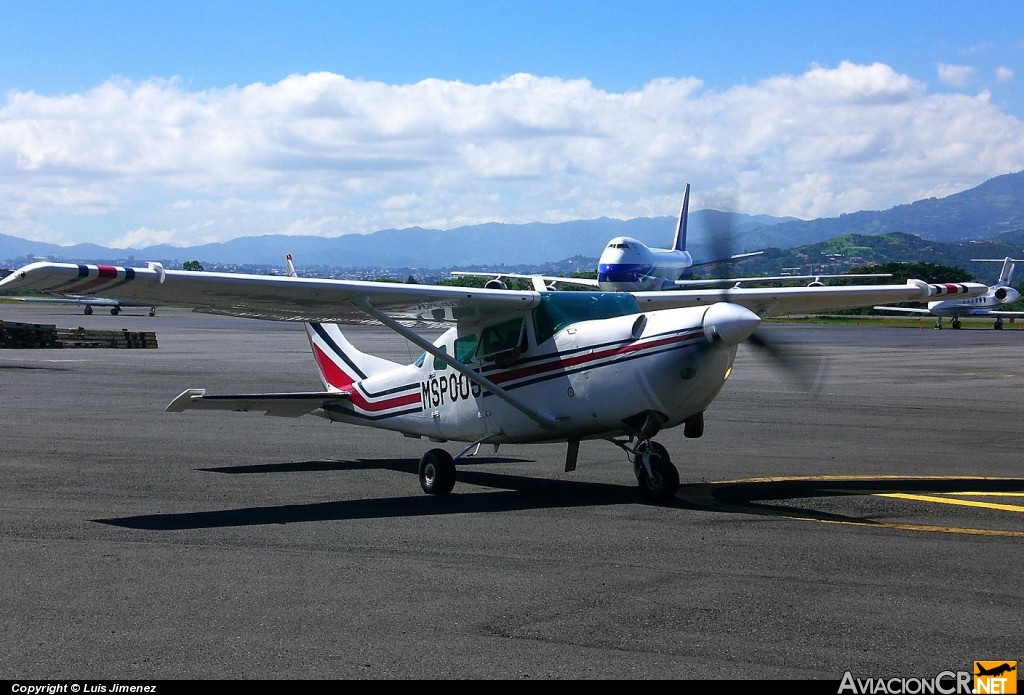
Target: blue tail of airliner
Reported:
point(679, 242)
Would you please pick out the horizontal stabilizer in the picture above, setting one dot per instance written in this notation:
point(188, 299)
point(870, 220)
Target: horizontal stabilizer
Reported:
point(278, 404)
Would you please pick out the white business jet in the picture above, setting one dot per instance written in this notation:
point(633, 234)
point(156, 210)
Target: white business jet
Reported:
point(999, 294)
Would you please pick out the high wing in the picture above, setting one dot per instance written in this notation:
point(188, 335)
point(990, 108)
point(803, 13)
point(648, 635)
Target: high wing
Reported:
point(286, 298)
point(274, 297)
point(787, 301)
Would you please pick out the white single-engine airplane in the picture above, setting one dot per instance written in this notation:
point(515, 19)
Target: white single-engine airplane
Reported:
point(515, 367)
point(997, 295)
point(115, 306)
point(629, 265)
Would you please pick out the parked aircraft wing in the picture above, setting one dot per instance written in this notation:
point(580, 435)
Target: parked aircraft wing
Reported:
point(286, 298)
point(273, 297)
point(786, 301)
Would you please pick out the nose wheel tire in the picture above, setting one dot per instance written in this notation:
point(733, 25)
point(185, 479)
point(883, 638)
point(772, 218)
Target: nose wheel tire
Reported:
point(437, 472)
point(662, 482)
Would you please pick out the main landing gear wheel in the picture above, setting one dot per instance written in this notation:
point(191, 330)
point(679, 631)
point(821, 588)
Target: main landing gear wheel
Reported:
point(955, 323)
point(662, 483)
point(88, 310)
point(437, 472)
point(115, 311)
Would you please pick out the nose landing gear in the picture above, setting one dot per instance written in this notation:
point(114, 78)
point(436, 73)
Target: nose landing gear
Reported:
point(657, 477)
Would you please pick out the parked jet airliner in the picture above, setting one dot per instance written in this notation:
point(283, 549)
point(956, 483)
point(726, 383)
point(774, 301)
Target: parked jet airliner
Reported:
point(629, 265)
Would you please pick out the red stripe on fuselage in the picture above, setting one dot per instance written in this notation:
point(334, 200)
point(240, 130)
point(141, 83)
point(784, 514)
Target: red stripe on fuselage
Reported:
point(339, 379)
point(334, 374)
point(586, 357)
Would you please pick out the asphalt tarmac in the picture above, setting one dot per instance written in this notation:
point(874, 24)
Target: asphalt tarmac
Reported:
point(873, 526)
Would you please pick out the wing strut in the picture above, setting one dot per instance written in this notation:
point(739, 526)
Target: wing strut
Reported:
point(541, 419)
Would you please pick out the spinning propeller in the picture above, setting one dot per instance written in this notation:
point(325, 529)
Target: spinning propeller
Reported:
point(805, 371)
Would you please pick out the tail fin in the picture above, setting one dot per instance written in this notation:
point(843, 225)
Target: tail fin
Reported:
point(1006, 274)
point(679, 242)
point(339, 362)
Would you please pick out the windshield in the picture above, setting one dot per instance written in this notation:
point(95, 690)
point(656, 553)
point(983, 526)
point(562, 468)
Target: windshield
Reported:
point(559, 309)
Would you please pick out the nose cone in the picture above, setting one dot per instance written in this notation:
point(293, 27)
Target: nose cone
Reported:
point(729, 324)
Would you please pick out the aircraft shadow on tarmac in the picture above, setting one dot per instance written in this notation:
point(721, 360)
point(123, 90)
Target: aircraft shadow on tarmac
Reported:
point(400, 465)
point(513, 493)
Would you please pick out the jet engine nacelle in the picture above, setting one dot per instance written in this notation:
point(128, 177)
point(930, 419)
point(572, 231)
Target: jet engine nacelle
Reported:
point(1001, 293)
point(816, 283)
point(495, 284)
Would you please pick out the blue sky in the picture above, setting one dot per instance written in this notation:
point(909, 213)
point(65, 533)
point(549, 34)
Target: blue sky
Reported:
point(129, 123)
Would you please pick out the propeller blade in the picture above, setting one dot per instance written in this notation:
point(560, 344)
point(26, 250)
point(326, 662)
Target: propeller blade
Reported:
point(805, 371)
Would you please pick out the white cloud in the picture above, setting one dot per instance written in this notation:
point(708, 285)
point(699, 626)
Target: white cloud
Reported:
point(1004, 74)
point(955, 75)
point(143, 236)
point(325, 154)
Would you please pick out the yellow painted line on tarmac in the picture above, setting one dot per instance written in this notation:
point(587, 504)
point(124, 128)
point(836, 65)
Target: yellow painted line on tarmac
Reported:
point(988, 494)
point(706, 498)
point(962, 503)
point(923, 527)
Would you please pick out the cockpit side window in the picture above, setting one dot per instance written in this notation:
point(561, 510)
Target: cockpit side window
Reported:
point(440, 364)
point(465, 348)
point(501, 337)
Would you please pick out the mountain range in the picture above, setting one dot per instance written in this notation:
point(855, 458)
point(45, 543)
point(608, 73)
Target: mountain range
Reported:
point(990, 214)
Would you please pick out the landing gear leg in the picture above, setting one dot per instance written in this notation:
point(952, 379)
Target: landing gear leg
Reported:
point(437, 472)
point(999, 323)
point(657, 477)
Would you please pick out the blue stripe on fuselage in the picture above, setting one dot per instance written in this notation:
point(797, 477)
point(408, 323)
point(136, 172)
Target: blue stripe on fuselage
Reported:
point(623, 272)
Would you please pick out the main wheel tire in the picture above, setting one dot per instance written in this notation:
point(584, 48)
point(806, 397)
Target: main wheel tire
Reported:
point(88, 310)
point(437, 472)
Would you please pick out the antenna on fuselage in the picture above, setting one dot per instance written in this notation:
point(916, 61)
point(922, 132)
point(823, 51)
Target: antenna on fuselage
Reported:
point(679, 242)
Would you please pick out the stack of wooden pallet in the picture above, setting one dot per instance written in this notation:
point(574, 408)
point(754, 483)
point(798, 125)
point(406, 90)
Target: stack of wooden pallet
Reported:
point(27, 335)
point(35, 335)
